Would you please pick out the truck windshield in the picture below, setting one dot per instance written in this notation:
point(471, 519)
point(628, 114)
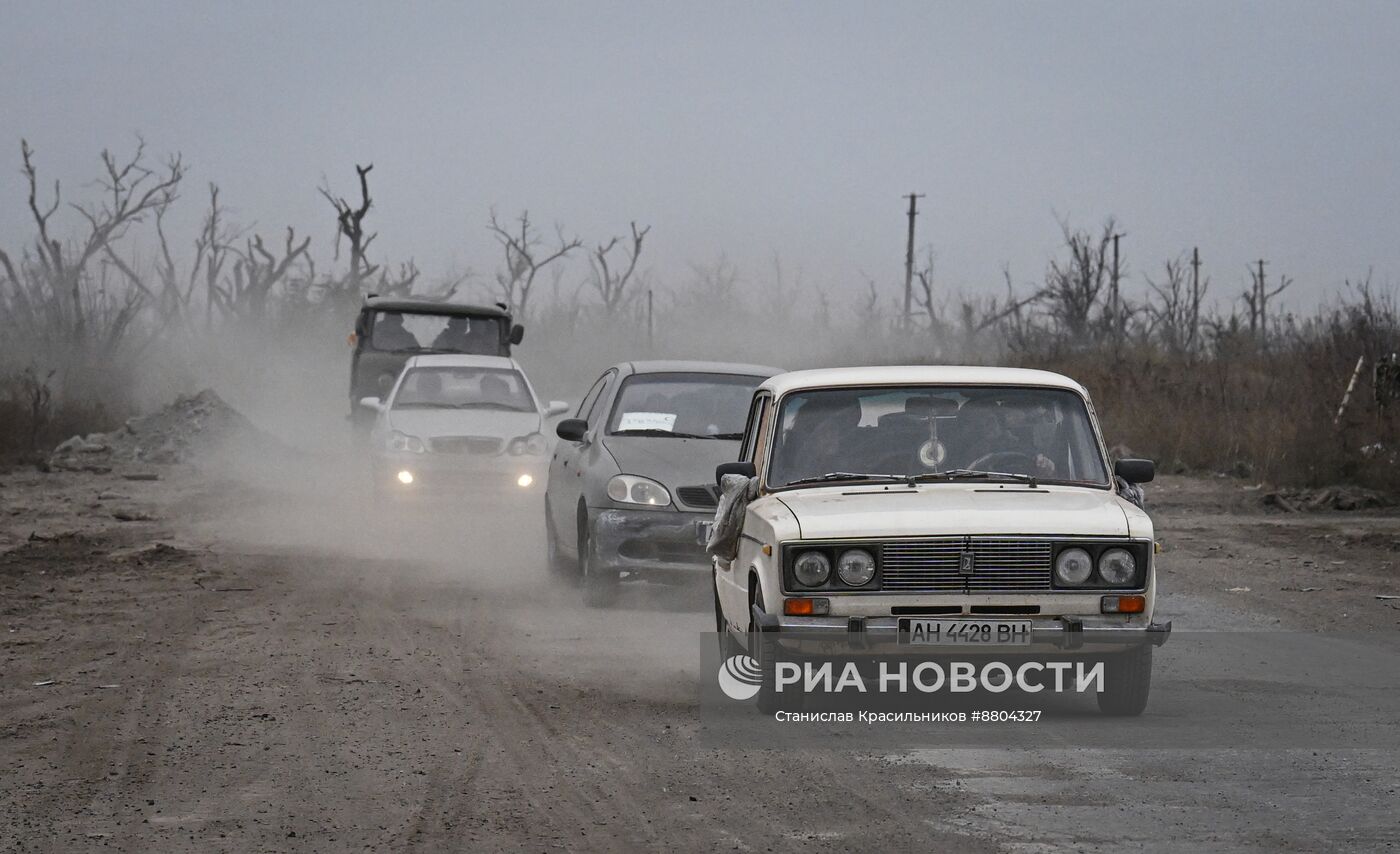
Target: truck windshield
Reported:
point(923, 432)
point(404, 331)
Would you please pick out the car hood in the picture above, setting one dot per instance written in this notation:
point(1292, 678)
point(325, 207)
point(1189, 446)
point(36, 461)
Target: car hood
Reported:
point(672, 462)
point(427, 423)
point(947, 509)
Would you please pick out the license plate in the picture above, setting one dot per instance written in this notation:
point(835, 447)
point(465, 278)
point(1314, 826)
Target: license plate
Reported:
point(702, 532)
point(965, 632)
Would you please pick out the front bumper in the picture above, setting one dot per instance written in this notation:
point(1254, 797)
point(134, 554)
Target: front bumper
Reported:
point(881, 634)
point(655, 543)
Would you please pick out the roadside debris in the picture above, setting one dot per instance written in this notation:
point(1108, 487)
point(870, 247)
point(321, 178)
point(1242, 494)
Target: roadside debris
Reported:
point(1238, 590)
point(45, 683)
point(1326, 498)
point(171, 435)
point(1300, 589)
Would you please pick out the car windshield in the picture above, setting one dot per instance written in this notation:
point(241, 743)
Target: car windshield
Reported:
point(683, 405)
point(933, 433)
point(464, 388)
point(404, 331)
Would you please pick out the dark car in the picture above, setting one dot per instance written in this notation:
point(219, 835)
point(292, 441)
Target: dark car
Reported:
point(388, 332)
point(631, 482)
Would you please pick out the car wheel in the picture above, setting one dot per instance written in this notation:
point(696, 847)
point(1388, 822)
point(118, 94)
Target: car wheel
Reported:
point(1127, 682)
point(761, 649)
point(600, 588)
point(728, 646)
point(559, 564)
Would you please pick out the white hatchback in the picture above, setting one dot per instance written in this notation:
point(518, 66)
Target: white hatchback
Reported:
point(954, 506)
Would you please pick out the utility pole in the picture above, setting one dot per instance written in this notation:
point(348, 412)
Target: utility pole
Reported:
point(909, 260)
point(651, 339)
point(1113, 299)
point(1195, 296)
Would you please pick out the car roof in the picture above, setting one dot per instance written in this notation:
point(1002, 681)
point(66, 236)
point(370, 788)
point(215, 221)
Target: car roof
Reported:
point(424, 306)
point(460, 360)
point(677, 366)
point(906, 375)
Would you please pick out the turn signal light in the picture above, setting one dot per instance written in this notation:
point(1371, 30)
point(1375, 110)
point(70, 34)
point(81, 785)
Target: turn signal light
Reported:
point(806, 607)
point(1123, 604)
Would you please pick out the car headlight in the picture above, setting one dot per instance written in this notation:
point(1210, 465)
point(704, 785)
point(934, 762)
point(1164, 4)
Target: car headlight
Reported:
point(399, 441)
point(631, 489)
point(856, 567)
point(1073, 566)
point(812, 569)
point(533, 444)
point(1117, 567)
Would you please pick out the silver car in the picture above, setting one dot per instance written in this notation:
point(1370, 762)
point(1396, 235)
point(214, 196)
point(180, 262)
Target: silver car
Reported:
point(631, 482)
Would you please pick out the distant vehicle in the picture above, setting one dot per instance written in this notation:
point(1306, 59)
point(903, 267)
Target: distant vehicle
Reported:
point(966, 508)
point(631, 483)
point(454, 423)
point(389, 331)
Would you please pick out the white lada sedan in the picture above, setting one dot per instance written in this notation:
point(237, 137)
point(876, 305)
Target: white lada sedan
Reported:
point(952, 506)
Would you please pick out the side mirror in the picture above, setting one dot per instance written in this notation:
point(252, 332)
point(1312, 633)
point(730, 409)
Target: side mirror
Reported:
point(517, 334)
point(556, 407)
point(372, 403)
point(745, 469)
point(571, 429)
point(1135, 471)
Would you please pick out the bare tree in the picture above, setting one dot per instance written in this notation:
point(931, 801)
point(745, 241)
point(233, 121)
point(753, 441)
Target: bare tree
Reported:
point(525, 257)
point(256, 273)
point(54, 283)
point(1175, 316)
point(923, 297)
point(611, 284)
point(350, 225)
point(1073, 288)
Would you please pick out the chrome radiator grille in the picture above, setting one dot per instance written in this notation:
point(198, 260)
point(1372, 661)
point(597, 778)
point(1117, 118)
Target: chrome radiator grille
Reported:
point(938, 565)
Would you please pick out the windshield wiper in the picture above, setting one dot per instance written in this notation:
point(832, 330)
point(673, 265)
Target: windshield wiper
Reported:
point(971, 474)
point(656, 431)
point(851, 475)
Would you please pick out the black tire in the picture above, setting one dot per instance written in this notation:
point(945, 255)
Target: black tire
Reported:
point(762, 649)
point(600, 588)
point(560, 566)
point(1127, 682)
point(728, 645)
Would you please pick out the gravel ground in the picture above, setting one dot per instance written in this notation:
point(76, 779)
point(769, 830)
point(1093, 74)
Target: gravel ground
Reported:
point(240, 658)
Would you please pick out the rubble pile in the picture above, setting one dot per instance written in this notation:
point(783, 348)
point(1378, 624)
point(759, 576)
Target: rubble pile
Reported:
point(1326, 498)
point(175, 434)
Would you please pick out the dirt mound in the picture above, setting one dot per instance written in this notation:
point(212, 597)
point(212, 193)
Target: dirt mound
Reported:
point(1326, 498)
point(181, 431)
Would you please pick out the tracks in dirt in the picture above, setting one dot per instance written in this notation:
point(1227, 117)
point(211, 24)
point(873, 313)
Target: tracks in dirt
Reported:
point(343, 704)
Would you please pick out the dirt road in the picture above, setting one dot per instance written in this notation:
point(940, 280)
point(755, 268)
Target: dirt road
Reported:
point(281, 674)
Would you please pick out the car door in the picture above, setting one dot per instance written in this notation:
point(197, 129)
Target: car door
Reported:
point(566, 467)
point(731, 577)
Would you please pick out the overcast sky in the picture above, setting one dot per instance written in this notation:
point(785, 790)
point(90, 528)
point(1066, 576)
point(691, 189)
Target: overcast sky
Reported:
point(751, 129)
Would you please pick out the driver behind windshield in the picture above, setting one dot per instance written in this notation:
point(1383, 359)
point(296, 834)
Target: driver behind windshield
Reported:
point(390, 334)
point(1001, 438)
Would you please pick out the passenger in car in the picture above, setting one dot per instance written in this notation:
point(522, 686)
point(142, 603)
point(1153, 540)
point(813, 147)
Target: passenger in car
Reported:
point(390, 334)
